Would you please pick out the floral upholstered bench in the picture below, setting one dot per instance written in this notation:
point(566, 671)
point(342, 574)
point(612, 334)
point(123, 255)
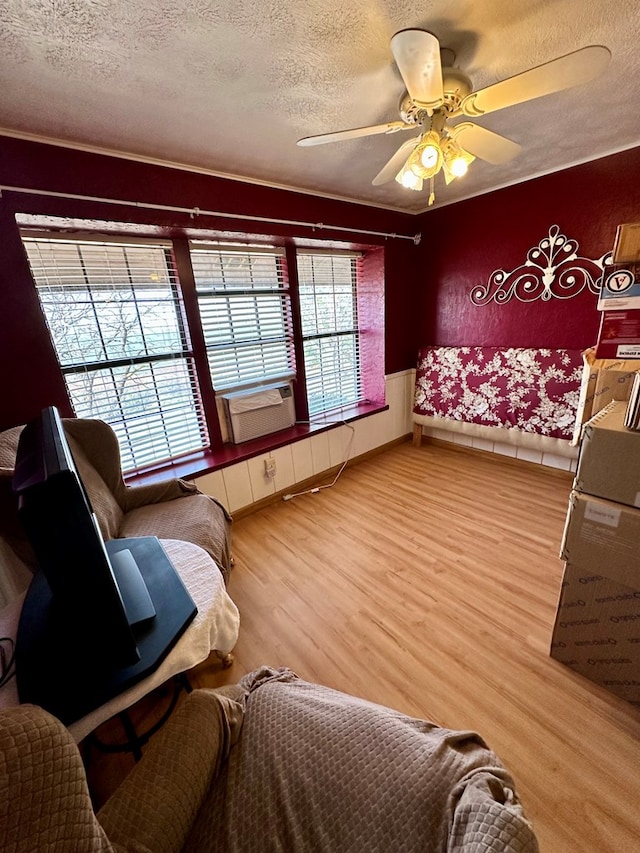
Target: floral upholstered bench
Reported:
point(520, 397)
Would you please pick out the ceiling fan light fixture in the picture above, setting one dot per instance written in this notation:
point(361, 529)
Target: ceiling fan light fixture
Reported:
point(435, 94)
point(458, 167)
point(456, 160)
point(426, 159)
point(430, 156)
point(408, 179)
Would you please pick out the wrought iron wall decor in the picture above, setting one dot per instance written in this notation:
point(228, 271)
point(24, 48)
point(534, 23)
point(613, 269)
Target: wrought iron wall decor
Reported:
point(553, 269)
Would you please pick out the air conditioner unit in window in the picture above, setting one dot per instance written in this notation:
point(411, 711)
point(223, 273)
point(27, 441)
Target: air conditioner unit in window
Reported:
point(258, 411)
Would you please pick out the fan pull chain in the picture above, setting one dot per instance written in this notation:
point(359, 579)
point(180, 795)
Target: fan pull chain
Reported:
point(432, 193)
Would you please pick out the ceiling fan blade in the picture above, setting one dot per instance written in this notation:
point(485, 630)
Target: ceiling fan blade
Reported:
point(417, 55)
point(562, 73)
point(485, 144)
point(393, 166)
point(354, 133)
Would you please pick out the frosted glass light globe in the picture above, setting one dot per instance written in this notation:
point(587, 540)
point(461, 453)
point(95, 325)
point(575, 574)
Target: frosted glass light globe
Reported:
point(429, 156)
point(459, 167)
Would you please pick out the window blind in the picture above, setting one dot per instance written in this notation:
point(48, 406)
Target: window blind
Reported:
point(245, 313)
point(115, 316)
point(331, 337)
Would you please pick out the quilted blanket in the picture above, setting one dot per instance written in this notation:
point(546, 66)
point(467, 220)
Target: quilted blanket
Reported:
point(317, 770)
point(530, 390)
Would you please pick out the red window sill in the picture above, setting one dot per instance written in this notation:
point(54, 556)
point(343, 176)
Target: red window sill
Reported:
point(198, 464)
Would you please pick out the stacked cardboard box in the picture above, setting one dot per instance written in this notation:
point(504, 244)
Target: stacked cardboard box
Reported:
point(597, 628)
point(603, 381)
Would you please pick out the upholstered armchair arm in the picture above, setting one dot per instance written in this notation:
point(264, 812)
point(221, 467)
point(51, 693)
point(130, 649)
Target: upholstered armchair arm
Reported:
point(154, 808)
point(167, 490)
point(152, 493)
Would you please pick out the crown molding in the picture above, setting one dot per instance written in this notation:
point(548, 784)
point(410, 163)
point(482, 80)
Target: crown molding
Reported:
point(185, 167)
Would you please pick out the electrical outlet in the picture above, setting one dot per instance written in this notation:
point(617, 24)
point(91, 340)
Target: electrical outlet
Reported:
point(270, 467)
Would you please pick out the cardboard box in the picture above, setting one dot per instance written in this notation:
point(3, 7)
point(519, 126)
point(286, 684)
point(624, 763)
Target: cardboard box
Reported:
point(614, 381)
point(609, 460)
point(597, 630)
point(603, 380)
point(626, 248)
point(603, 537)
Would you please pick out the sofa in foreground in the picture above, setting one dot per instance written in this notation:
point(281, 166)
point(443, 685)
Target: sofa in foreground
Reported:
point(273, 763)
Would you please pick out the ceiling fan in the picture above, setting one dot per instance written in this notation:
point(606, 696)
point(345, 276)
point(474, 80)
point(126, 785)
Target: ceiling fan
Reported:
point(436, 94)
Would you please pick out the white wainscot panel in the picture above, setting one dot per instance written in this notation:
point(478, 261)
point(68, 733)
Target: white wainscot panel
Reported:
point(441, 434)
point(399, 398)
point(410, 389)
point(302, 460)
point(390, 420)
point(369, 434)
point(384, 429)
point(213, 484)
point(504, 449)
point(338, 443)
point(554, 461)
point(529, 455)
point(285, 473)
point(482, 444)
point(460, 438)
point(261, 485)
point(320, 453)
point(238, 485)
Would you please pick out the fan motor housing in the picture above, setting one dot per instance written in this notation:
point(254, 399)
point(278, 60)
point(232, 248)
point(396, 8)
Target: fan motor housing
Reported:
point(456, 86)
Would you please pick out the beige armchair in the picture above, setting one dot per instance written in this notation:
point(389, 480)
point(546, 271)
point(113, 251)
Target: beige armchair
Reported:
point(171, 509)
point(273, 763)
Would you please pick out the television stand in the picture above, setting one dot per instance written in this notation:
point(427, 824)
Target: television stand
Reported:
point(65, 679)
point(137, 602)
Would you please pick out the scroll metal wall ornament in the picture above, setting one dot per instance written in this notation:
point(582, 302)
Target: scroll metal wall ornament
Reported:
point(553, 269)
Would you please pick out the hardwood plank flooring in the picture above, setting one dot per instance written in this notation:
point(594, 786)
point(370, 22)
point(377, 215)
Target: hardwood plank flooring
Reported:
point(427, 580)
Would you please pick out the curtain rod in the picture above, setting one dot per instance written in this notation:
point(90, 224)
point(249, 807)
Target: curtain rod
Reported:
point(196, 211)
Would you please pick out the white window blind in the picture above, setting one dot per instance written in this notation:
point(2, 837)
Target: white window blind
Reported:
point(115, 316)
point(331, 338)
point(245, 313)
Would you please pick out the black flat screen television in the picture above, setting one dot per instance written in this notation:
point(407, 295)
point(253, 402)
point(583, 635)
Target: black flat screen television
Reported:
point(57, 516)
point(98, 616)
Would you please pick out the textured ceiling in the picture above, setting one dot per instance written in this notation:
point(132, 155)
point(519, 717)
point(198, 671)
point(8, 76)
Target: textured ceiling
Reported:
point(230, 86)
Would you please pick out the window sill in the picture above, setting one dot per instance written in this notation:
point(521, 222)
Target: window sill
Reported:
point(199, 464)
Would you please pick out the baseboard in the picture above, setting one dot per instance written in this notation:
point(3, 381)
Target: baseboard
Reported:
point(498, 457)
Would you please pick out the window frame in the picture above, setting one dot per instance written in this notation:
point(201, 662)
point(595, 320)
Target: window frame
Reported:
point(134, 450)
point(279, 294)
point(354, 331)
point(219, 452)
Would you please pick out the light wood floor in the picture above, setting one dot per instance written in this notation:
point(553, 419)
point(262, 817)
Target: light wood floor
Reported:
point(427, 580)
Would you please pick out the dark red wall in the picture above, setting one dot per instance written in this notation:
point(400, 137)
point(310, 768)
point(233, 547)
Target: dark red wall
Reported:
point(28, 369)
point(467, 241)
point(427, 287)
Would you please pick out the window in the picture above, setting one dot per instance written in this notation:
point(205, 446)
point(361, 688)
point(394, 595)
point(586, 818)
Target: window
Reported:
point(329, 316)
point(115, 316)
point(245, 314)
point(122, 325)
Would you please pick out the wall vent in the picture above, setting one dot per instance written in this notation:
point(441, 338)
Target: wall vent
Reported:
point(258, 411)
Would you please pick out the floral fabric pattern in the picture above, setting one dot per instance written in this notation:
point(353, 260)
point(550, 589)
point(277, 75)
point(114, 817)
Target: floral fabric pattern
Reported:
point(532, 390)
